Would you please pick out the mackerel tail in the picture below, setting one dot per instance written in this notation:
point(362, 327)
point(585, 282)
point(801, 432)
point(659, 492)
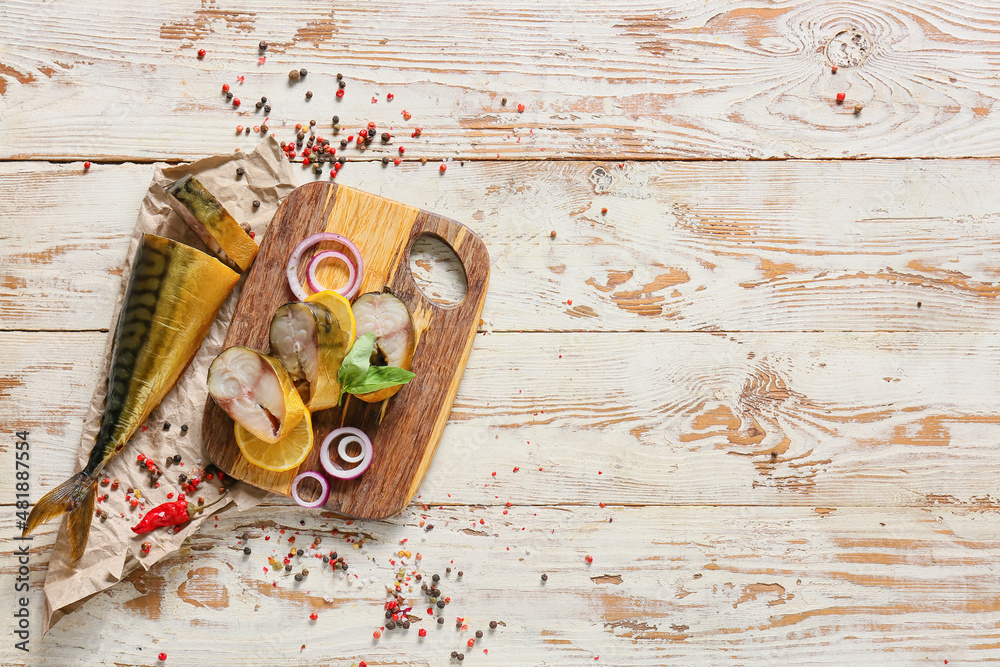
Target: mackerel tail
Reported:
point(76, 497)
point(171, 299)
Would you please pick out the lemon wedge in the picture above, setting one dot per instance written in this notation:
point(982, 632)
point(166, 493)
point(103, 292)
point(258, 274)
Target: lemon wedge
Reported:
point(279, 456)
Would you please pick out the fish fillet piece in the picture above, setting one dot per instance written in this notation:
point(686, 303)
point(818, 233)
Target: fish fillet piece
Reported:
point(311, 343)
point(383, 314)
point(173, 294)
point(213, 224)
point(256, 391)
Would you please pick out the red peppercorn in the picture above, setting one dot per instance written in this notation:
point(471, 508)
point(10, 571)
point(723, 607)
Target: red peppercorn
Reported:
point(377, 634)
point(140, 458)
point(520, 108)
point(471, 642)
point(340, 93)
point(313, 616)
point(422, 632)
point(841, 97)
point(162, 657)
point(305, 162)
point(86, 165)
point(402, 150)
point(604, 211)
point(589, 559)
point(397, 162)
point(833, 69)
point(406, 115)
point(443, 169)
point(389, 97)
point(236, 101)
point(239, 129)
point(202, 53)
point(225, 87)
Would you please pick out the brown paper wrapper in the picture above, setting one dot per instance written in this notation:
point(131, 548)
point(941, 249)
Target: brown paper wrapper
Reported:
point(113, 550)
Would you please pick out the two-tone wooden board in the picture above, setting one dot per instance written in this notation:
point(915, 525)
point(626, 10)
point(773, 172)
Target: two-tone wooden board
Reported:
point(406, 428)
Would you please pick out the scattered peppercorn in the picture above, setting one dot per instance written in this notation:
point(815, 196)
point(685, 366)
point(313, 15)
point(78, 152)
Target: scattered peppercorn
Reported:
point(288, 568)
point(460, 573)
point(440, 620)
point(461, 657)
point(493, 625)
point(503, 102)
point(309, 94)
point(229, 95)
point(841, 97)
point(184, 428)
point(340, 93)
point(303, 71)
point(294, 75)
point(166, 426)
point(589, 559)
point(545, 577)
point(342, 84)
point(202, 53)
point(225, 87)
point(833, 69)
point(161, 657)
point(520, 108)
point(239, 171)
point(479, 634)
point(298, 577)
point(858, 107)
point(236, 102)
point(443, 167)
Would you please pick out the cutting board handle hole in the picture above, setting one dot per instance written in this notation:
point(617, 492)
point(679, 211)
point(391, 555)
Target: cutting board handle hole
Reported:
point(437, 270)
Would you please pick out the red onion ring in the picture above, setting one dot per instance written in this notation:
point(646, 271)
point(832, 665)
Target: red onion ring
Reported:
point(291, 269)
point(323, 495)
point(348, 290)
point(332, 467)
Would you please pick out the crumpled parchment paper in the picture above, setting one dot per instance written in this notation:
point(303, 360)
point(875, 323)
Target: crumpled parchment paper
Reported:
point(113, 550)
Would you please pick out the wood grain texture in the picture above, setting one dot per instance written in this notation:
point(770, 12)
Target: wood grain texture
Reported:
point(765, 246)
point(668, 585)
point(404, 430)
point(613, 80)
point(659, 418)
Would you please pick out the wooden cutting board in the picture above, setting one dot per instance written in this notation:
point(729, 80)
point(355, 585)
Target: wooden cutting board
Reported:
point(406, 428)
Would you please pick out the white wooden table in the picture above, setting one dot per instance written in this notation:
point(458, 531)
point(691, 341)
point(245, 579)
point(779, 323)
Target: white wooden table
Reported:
point(760, 390)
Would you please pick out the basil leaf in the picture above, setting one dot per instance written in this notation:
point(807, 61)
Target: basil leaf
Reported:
point(380, 377)
point(356, 364)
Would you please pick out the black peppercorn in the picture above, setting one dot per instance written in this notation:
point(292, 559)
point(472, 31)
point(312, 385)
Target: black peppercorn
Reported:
point(388, 613)
point(440, 604)
point(326, 559)
point(385, 137)
point(262, 46)
point(245, 536)
point(479, 634)
point(503, 102)
point(390, 624)
point(440, 620)
point(177, 458)
point(333, 556)
point(545, 577)
point(343, 143)
point(267, 108)
point(312, 123)
point(166, 426)
point(182, 478)
point(385, 161)
point(263, 100)
point(342, 160)
point(239, 171)
point(309, 94)
point(406, 625)
point(336, 120)
point(460, 573)
point(342, 84)
point(339, 76)
point(371, 132)
point(447, 570)
point(436, 578)
point(288, 568)
point(299, 552)
point(303, 72)
point(493, 625)
point(229, 95)
point(461, 657)
point(258, 105)
point(263, 128)
point(298, 577)
point(343, 566)
point(454, 654)
point(246, 550)
point(301, 135)
point(247, 131)
point(317, 170)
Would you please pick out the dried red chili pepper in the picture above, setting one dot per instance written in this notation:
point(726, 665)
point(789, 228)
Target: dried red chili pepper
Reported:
point(168, 514)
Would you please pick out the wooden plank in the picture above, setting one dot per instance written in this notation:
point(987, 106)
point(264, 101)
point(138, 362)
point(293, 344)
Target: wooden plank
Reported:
point(792, 246)
point(752, 419)
point(668, 585)
point(622, 79)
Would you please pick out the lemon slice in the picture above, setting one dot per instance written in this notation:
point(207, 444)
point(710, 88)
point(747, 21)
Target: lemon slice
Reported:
point(279, 456)
point(341, 309)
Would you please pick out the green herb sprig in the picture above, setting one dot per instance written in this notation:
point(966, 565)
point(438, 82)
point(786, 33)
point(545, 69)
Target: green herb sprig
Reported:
point(358, 376)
